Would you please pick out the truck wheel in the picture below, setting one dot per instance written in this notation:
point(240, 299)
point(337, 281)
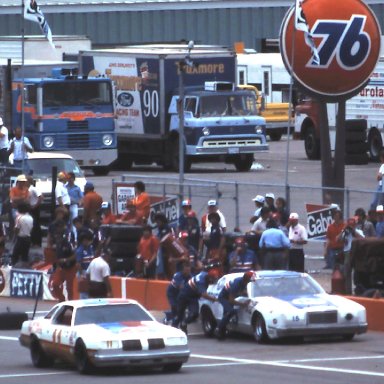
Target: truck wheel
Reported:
point(243, 163)
point(275, 135)
point(174, 158)
point(311, 144)
point(356, 159)
point(100, 171)
point(375, 143)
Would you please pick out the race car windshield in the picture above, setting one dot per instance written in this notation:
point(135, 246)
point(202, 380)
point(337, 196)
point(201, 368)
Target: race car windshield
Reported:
point(42, 168)
point(285, 286)
point(110, 314)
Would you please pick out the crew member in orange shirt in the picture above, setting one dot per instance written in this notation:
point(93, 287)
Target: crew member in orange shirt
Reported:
point(334, 246)
point(92, 202)
point(139, 207)
point(145, 263)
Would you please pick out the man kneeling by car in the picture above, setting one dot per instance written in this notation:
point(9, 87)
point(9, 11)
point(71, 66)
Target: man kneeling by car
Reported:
point(227, 298)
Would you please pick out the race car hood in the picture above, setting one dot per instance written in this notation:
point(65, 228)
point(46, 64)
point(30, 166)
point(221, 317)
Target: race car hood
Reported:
point(300, 302)
point(130, 329)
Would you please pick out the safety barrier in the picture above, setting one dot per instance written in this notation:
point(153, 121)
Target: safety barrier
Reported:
point(375, 311)
point(150, 293)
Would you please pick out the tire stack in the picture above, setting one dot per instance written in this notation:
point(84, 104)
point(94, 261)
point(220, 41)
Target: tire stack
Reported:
point(356, 145)
point(124, 239)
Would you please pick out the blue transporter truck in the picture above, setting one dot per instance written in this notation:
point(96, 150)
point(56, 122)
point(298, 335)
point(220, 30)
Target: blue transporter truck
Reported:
point(62, 111)
point(220, 121)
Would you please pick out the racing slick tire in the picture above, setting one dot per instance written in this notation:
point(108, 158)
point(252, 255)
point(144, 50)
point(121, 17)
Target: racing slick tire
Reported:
point(39, 358)
point(275, 135)
point(243, 163)
point(259, 329)
point(12, 320)
point(83, 364)
point(375, 143)
point(173, 367)
point(208, 322)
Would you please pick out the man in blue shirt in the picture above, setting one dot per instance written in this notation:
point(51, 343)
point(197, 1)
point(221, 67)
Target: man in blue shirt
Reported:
point(179, 280)
point(189, 297)
point(274, 245)
point(227, 298)
point(75, 194)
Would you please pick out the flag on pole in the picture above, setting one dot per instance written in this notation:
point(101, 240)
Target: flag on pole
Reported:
point(302, 25)
point(32, 12)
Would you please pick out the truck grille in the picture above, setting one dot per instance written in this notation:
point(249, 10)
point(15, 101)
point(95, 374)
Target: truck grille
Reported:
point(132, 345)
point(77, 125)
point(230, 143)
point(322, 317)
point(78, 141)
point(156, 343)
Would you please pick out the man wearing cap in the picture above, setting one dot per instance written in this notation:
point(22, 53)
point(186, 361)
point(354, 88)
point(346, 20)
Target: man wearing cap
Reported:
point(205, 223)
point(4, 143)
point(92, 203)
point(242, 259)
point(228, 299)
point(298, 236)
point(18, 194)
point(186, 206)
point(189, 297)
point(20, 146)
point(61, 192)
point(259, 203)
point(270, 201)
point(348, 234)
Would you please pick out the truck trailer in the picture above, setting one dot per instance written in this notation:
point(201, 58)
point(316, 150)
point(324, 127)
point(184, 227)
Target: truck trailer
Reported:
point(62, 111)
point(220, 120)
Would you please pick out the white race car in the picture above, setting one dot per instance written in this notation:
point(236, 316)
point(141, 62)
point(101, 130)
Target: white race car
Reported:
point(104, 332)
point(285, 304)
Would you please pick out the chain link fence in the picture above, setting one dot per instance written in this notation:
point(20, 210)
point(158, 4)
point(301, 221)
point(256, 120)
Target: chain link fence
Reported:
point(235, 199)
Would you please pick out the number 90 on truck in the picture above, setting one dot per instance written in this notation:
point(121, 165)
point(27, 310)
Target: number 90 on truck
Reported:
point(220, 121)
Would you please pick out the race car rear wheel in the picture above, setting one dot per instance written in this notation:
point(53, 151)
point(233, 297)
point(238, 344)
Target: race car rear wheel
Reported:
point(39, 358)
point(83, 363)
point(208, 322)
point(259, 329)
point(174, 367)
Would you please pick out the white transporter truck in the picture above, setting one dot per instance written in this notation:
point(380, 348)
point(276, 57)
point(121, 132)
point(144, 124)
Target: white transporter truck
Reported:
point(220, 121)
point(364, 111)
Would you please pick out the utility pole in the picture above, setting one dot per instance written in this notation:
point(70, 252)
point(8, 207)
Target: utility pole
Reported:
point(182, 64)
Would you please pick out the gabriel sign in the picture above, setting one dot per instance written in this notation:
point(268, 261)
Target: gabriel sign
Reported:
point(335, 57)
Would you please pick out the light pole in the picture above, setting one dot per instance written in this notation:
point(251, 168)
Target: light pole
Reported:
point(182, 64)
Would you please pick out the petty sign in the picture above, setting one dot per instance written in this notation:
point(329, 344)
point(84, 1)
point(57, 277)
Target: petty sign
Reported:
point(345, 37)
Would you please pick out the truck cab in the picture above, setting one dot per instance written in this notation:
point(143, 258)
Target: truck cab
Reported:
point(220, 121)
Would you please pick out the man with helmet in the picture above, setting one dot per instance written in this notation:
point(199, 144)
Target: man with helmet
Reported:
point(227, 298)
point(242, 259)
point(189, 297)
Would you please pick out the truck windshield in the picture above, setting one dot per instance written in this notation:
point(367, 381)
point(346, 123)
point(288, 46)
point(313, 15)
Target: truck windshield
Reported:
point(77, 93)
point(228, 105)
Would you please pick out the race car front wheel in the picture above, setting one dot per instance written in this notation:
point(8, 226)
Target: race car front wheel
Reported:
point(39, 358)
point(81, 358)
point(259, 329)
point(208, 322)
